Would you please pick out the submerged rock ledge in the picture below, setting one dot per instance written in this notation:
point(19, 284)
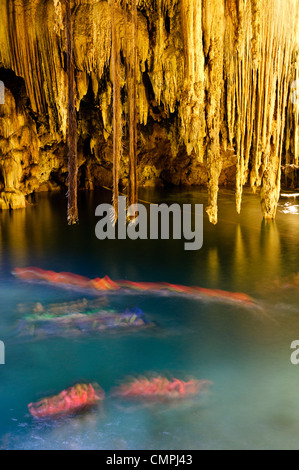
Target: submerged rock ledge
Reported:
point(216, 100)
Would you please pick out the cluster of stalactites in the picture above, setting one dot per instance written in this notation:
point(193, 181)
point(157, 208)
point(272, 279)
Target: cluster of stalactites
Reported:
point(222, 69)
point(259, 46)
point(33, 45)
point(292, 119)
point(228, 71)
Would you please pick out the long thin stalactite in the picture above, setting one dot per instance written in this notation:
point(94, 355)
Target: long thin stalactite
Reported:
point(117, 106)
point(72, 123)
point(132, 102)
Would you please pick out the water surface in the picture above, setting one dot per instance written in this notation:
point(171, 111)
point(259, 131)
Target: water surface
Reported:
point(245, 352)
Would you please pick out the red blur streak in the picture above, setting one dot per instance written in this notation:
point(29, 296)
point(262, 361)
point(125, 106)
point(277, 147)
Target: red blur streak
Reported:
point(76, 398)
point(235, 296)
point(142, 286)
point(106, 284)
point(160, 387)
point(31, 274)
point(70, 279)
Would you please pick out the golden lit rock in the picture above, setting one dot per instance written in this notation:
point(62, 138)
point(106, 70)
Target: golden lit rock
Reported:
point(214, 81)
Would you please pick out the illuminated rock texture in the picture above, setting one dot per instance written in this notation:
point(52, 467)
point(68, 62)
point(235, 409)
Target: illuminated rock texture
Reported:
point(216, 102)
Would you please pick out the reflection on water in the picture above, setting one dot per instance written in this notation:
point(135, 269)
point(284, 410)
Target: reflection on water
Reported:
point(245, 352)
point(290, 208)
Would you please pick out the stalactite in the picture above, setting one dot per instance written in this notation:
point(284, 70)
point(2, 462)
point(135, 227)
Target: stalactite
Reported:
point(241, 79)
point(192, 106)
point(256, 32)
point(245, 84)
point(257, 55)
point(132, 100)
point(230, 65)
point(72, 123)
point(168, 70)
point(266, 88)
point(117, 124)
point(292, 120)
point(214, 43)
point(58, 17)
point(283, 46)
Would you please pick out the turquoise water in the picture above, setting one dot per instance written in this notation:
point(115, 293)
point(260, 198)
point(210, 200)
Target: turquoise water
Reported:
point(245, 352)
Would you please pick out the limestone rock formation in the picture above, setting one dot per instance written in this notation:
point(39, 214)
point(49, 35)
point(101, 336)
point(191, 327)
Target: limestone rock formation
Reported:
point(19, 149)
point(215, 82)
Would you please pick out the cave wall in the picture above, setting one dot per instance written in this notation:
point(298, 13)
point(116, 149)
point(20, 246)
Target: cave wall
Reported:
point(214, 95)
